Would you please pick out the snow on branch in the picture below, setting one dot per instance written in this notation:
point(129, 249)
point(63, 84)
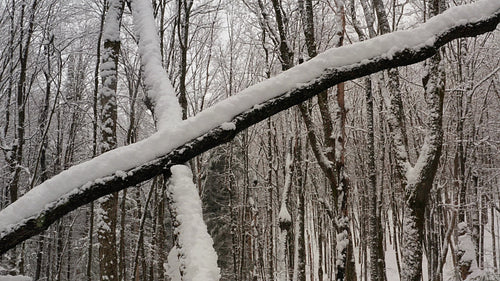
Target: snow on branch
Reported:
point(159, 89)
point(133, 164)
point(198, 259)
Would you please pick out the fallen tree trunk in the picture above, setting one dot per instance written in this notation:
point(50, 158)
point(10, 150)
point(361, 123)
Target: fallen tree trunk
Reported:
point(14, 233)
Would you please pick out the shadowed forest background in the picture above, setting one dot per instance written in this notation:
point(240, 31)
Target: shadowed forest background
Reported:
point(325, 190)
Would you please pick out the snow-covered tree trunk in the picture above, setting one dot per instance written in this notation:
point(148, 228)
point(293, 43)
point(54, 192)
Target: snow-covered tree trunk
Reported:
point(271, 213)
point(324, 153)
point(345, 266)
point(299, 270)
point(107, 211)
point(160, 94)
point(15, 153)
point(286, 58)
point(10, 82)
point(95, 96)
point(464, 250)
point(419, 178)
point(377, 255)
point(196, 256)
point(332, 150)
point(43, 128)
point(194, 246)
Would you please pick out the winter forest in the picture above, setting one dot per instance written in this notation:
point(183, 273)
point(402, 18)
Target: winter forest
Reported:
point(249, 140)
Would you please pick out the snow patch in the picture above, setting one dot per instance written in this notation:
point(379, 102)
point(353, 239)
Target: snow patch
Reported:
point(228, 126)
point(284, 215)
point(121, 174)
point(172, 266)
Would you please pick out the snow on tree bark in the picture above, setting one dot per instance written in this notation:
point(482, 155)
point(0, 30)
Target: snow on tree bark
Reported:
point(377, 253)
point(461, 158)
point(184, 15)
point(108, 209)
point(14, 156)
point(419, 178)
point(466, 251)
point(284, 220)
point(194, 246)
point(160, 91)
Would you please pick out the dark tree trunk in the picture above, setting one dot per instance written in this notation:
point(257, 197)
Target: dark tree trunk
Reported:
point(108, 115)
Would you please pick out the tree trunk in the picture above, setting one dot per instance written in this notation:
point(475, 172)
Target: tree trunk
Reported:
point(375, 229)
point(184, 14)
point(107, 214)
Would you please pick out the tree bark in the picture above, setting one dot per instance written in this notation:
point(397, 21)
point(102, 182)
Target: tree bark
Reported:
point(184, 14)
point(107, 213)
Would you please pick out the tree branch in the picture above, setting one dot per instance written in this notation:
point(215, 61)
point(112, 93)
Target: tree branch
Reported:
point(12, 235)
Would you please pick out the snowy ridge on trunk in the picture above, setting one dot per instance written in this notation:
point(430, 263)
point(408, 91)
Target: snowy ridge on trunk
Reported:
point(197, 257)
point(160, 89)
point(27, 216)
point(284, 216)
point(172, 265)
